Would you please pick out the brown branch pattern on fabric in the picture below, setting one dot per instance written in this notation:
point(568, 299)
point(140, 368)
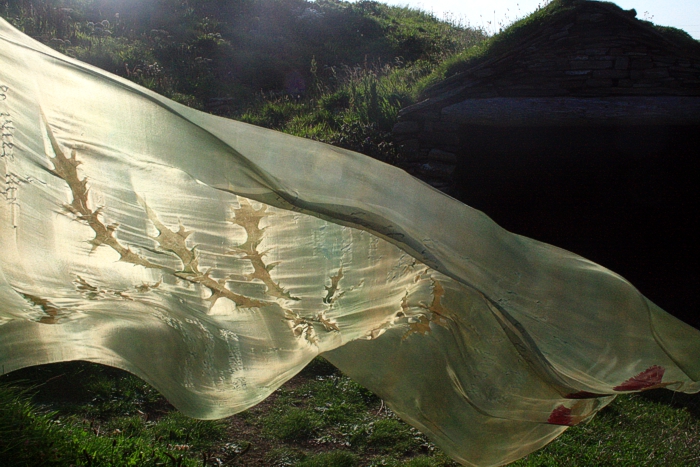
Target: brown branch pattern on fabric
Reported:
point(46, 306)
point(144, 287)
point(249, 218)
point(94, 292)
point(67, 170)
point(301, 326)
point(175, 242)
point(327, 324)
point(333, 289)
point(304, 326)
point(437, 313)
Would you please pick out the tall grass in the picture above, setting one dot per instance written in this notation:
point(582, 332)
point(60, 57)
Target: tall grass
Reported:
point(351, 107)
point(199, 50)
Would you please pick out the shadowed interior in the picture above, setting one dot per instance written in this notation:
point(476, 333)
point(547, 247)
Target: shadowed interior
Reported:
point(622, 196)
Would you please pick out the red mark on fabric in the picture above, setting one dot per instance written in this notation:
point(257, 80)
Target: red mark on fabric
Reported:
point(647, 379)
point(561, 416)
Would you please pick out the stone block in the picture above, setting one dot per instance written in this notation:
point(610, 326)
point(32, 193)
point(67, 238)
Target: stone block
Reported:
point(625, 83)
point(599, 83)
point(483, 73)
point(436, 170)
point(542, 66)
point(446, 126)
point(439, 138)
point(442, 156)
point(614, 74)
point(558, 35)
point(684, 76)
point(565, 40)
point(641, 64)
point(664, 60)
point(407, 127)
point(646, 83)
point(410, 146)
point(684, 70)
point(656, 73)
point(590, 64)
point(622, 63)
point(597, 51)
point(427, 116)
point(573, 84)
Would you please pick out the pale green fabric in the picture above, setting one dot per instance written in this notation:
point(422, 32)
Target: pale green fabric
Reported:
point(215, 259)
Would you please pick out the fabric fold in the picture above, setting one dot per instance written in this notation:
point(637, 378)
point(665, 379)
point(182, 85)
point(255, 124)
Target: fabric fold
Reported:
point(215, 259)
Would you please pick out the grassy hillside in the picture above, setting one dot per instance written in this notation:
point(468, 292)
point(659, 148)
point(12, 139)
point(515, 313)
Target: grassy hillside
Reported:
point(331, 70)
point(197, 50)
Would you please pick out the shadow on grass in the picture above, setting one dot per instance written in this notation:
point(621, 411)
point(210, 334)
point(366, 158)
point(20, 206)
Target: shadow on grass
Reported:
point(677, 400)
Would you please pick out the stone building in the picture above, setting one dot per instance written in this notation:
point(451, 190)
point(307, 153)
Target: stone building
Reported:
point(584, 134)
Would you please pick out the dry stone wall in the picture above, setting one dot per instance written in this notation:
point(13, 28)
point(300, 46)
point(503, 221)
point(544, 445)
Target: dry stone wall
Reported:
point(594, 51)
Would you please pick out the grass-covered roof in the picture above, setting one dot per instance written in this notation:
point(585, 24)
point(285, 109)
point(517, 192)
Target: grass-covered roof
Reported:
point(522, 30)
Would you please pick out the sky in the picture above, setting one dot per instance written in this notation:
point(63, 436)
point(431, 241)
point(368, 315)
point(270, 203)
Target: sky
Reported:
point(490, 15)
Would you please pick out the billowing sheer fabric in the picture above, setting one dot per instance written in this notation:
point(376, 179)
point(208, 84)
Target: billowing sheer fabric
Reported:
point(215, 259)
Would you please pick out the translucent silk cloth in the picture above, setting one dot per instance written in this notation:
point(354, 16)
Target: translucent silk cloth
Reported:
point(215, 259)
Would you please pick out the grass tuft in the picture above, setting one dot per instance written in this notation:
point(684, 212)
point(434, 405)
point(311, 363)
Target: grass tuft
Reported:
point(330, 459)
point(292, 424)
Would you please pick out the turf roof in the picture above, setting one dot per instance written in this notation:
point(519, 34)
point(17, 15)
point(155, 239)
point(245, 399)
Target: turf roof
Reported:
point(521, 30)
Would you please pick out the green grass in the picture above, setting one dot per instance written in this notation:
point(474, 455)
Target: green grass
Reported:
point(330, 459)
point(89, 415)
point(292, 424)
point(635, 430)
point(507, 38)
point(198, 50)
point(330, 70)
point(357, 111)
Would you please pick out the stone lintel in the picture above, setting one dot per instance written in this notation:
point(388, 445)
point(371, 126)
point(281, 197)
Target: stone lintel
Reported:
point(568, 111)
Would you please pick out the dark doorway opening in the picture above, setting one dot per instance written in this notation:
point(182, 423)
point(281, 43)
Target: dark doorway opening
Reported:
point(625, 197)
